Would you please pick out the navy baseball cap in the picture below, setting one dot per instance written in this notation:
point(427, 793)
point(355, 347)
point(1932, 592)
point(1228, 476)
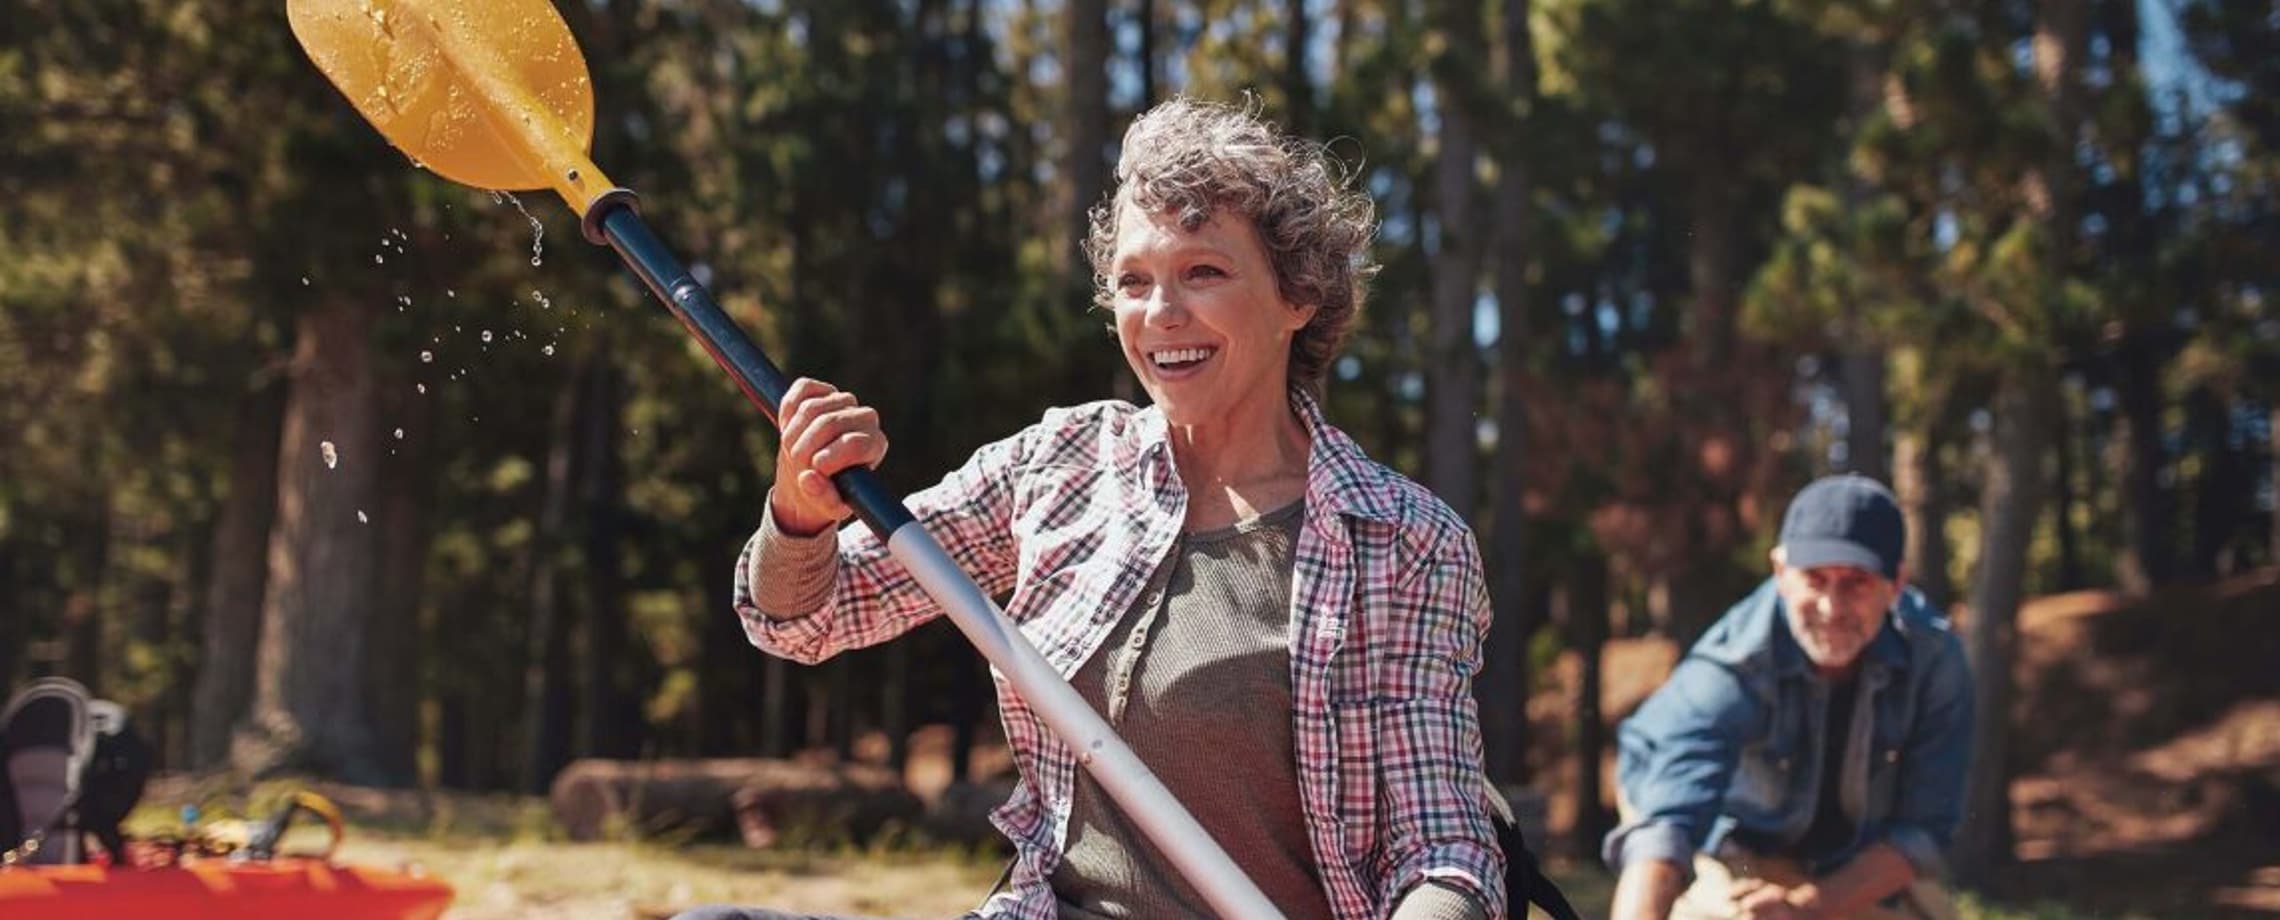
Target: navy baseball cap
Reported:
point(1845, 520)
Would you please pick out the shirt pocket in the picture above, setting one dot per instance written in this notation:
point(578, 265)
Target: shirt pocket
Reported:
point(1764, 777)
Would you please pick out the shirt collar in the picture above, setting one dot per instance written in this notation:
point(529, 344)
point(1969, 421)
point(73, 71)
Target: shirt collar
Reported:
point(1339, 477)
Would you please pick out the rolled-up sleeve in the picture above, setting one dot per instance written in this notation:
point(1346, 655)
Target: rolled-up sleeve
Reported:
point(867, 597)
point(1676, 756)
point(1933, 770)
point(787, 576)
point(1430, 773)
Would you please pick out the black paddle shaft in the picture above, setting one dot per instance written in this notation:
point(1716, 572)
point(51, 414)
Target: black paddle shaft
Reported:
point(622, 228)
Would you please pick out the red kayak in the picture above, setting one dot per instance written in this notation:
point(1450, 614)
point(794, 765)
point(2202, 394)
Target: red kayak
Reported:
point(220, 890)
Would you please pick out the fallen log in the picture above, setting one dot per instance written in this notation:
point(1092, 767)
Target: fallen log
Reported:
point(848, 803)
point(763, 801)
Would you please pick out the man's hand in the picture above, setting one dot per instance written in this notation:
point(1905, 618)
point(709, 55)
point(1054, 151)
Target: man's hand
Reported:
point(1757, 899)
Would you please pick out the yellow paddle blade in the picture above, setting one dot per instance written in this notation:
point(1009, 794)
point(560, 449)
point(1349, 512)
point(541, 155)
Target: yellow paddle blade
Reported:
point(488, 93)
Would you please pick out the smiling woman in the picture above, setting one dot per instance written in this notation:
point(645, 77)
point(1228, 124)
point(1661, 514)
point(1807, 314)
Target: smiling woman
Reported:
point(1220, 571)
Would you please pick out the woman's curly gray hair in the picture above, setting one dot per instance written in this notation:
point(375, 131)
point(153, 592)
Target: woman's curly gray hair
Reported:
point(1200, 158)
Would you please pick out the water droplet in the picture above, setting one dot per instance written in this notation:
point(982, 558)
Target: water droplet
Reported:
point(447, 292)
point(486, 335)
point(421, 387)
point(304, 281)
point(332, 457)
point(360, 518)
point(399, 434)
point(427, 357)
point(537, 230)
point(548, 349)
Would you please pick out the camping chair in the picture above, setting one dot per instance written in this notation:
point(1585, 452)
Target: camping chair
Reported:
point(1524, 880)
point(46, 737)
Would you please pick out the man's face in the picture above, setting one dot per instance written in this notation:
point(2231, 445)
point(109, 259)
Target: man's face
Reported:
point(1833, 610)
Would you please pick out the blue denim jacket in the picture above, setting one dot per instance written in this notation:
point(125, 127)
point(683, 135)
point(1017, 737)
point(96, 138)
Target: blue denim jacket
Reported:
point(1725, 758)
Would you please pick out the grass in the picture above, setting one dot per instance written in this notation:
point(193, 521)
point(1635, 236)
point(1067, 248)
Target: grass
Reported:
point(505, 859)
point(1590, 889)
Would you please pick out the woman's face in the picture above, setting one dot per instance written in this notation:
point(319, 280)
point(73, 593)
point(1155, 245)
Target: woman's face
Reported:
point(1199, 314)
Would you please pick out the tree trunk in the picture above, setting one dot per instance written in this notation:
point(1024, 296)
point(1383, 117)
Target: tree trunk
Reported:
point(2145, 562)
point(1147, 64)
point(610, 701)
point(154, 608)
point(972, 693)
point(14, 613)
point(452, 758)
point(1701, 586)
point(1710, 269)
point(1342, 47)
point(397, 637)
point(775, 708)
point(1298, 91)
point(1867, 413)
point(223, 691)
point(731, 672)
point(2225, 482)
point(308, 711)
point(841, 698)
point(83, 607)
point(1504, 680)
point(1085, 161)
point(2062, 497)
point(2025, 410)
point(1587, 624)
point(1866, 417)
point(1919, 483)
point(546, 717)
point(763, 799)
point(1452, 376)
point(894, 704)
point(2010, 505)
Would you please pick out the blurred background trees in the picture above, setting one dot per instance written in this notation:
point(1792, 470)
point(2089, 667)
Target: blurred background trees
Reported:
point(321, 463)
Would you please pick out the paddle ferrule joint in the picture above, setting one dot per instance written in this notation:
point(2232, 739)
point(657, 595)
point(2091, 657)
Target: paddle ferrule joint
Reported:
point(590, 223)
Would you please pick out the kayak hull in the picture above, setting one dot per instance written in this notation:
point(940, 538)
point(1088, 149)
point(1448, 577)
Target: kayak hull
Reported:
point(218, 889)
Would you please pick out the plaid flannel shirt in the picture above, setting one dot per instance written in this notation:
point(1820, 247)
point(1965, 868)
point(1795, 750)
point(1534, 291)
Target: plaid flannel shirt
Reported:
point(1388, 607)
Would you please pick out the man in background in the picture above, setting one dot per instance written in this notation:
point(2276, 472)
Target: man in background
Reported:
point(1807, 757)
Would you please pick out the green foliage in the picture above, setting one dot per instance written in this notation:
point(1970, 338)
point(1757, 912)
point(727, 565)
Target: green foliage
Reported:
point(1722, 195)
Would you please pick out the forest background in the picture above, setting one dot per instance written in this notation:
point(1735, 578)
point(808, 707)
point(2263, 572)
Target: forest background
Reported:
point(324, 465)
